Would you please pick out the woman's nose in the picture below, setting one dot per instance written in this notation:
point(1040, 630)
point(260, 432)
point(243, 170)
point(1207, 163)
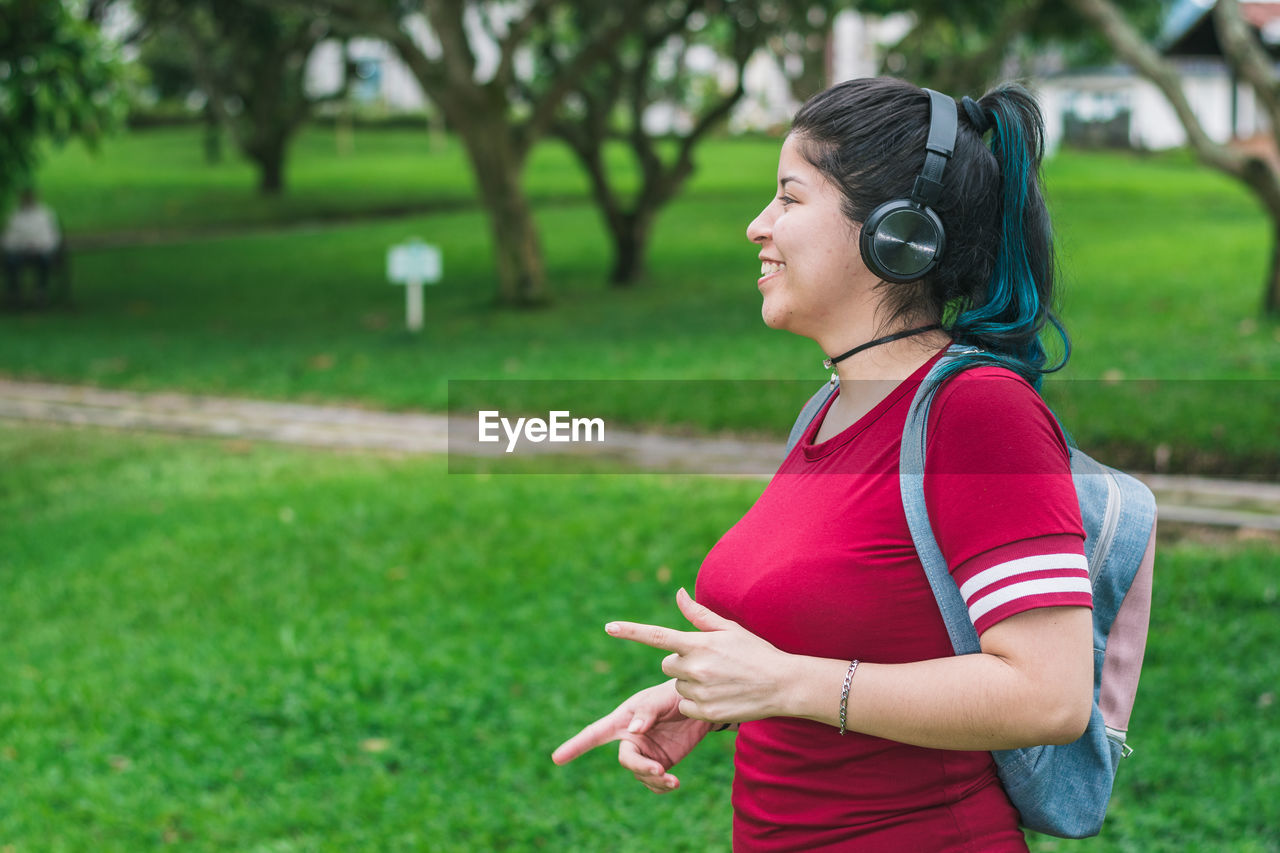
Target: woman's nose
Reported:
point(759, 228)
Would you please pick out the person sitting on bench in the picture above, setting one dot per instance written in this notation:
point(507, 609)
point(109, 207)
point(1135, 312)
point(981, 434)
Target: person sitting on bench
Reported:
point(31, 238)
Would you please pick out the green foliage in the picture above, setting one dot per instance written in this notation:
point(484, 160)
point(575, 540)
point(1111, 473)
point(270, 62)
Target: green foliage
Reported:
point(58, 80)
point(965, 47)
point(248, 59)
point(232, 646)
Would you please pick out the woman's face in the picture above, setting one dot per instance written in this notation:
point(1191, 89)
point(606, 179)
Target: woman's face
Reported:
point(811, 273)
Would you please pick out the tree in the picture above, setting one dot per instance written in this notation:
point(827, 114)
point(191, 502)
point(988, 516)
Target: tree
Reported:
point(964, 47)
point(483, 104)
point(1247, 58)
point(249, 59)
point(649, 69)
point(962, 50)
point(58, 80)
point(165, 53)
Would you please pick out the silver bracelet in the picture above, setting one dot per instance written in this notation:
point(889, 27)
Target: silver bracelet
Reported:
point(844, 695)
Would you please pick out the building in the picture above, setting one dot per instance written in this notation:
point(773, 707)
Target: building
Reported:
point(1116, 107)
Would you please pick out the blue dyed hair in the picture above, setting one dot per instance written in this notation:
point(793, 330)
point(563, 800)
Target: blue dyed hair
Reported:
point(993, 287)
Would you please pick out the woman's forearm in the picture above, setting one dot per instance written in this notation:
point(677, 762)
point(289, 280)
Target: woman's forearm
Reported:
point(981, 701)
point(969, 702)
point(1032, 684)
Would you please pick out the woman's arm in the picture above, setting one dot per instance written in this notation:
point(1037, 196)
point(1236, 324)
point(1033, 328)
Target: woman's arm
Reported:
point(1032, 683)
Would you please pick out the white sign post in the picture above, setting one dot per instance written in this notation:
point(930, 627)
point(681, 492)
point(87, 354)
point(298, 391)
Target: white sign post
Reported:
point(413, 264)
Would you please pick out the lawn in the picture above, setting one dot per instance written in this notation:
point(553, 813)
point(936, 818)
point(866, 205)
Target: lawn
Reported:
point(154, 183)
point(236, 646)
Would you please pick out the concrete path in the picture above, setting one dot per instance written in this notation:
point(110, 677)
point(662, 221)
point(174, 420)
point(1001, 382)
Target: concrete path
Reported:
point(1226, 503)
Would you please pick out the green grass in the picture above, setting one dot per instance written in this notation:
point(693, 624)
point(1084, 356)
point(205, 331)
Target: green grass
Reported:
point(304, 312)
point(157, 182)
point(232, 646)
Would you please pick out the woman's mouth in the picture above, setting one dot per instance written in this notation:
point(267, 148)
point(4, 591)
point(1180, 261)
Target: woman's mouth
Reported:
point(770, 268)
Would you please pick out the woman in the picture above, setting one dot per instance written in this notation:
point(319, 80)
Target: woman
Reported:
point(816, 629)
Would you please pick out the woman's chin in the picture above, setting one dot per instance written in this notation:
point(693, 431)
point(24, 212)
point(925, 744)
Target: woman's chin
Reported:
point(771, 314)
point(776, 319)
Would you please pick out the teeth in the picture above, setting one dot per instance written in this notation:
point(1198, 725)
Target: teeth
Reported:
point(767, 267)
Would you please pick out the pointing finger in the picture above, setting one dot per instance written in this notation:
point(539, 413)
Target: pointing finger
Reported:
point(600, 732)
point(652, 635)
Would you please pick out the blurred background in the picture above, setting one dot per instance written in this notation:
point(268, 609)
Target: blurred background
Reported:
point(219, 636)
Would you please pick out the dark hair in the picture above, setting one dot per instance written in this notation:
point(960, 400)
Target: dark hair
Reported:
point(993, 286)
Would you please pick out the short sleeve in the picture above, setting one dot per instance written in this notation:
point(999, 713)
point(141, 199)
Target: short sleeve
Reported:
point(1001, 500)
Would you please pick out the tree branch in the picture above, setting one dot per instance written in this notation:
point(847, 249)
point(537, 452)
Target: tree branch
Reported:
point(1247, 58)
point(516, 36)
point(1131, 47)
point(429, 72)
point(458, 60)
point(598, 49)
point(382, 22)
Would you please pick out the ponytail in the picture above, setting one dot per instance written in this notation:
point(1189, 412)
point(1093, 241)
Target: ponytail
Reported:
point(1005, 318)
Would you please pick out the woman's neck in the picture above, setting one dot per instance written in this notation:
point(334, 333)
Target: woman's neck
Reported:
point(889, 355)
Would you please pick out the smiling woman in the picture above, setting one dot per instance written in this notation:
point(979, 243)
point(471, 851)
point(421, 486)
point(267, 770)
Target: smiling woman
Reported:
point(895, 230)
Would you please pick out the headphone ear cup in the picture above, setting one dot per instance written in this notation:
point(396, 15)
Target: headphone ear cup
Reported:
point(901, 241)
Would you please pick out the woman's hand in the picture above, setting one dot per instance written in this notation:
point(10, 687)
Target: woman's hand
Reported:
point(723, 672)
point(653, 736)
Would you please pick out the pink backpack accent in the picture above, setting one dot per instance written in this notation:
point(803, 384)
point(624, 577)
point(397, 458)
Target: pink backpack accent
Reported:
point(1122, 663)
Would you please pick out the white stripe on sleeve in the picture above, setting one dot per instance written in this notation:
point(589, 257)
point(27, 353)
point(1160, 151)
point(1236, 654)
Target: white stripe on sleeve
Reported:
point(1044, 586)
point(1020, 566)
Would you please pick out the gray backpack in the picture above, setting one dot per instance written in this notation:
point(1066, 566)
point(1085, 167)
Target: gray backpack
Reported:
point(1060, 790)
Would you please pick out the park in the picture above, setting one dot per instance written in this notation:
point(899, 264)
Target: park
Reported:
point(222, 643)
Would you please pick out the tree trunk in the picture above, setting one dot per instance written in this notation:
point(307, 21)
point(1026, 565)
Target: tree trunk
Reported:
point(270, 159)
point(269, 130)
point(628, 230)
point(629, 242)
point(212, 136)
point(271, 177)
point(1271, 304)
point(497, 167)
point(1263, 181)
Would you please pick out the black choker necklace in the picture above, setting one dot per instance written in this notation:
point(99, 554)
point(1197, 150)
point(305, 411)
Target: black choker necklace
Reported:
point(834, 360)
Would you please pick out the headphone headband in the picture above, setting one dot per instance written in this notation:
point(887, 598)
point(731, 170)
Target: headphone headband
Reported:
point(943, 125)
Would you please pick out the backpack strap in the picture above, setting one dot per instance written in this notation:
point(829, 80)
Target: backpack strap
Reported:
point(810, 411)
point(964, 637)
point(1059, 789)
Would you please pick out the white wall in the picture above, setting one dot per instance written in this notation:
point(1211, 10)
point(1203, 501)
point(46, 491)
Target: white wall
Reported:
point(1154, 124)
point(398, 89)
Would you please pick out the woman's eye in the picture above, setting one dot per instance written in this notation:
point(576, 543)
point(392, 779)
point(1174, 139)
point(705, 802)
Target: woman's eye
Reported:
point(786, 200)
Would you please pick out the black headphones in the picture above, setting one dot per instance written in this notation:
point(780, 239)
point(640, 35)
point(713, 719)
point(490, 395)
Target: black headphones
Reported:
point(903, 239)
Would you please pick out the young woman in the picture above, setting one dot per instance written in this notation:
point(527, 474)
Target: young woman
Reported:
point(816, 629)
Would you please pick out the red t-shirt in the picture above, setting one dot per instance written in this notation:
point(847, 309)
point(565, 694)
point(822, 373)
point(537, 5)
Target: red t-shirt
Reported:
point(823, 565)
